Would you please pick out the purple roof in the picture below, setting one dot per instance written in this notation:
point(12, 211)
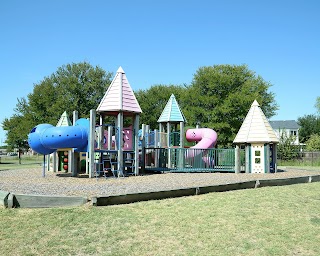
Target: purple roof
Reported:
point(119, 96)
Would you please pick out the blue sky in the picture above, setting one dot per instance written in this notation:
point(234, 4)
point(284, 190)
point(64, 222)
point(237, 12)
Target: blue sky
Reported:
point(163, 42)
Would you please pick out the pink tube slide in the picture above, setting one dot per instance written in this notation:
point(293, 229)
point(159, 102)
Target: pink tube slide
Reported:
point(207, 139)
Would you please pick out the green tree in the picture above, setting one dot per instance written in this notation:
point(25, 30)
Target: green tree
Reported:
point(309, 125)
point(313, 143)
point(286, 149)
point(317, 105)
point(76, 86)
point(221, 95)
point(72, 87)
point(153, 100)
point(17, 127)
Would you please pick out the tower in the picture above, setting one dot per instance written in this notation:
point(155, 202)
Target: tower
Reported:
point(260, 142)
point(120, 102)
point(169, 120)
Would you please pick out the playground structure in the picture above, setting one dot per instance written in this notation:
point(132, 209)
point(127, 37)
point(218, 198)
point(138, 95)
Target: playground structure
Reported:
point(107, 148)
point(259, 140)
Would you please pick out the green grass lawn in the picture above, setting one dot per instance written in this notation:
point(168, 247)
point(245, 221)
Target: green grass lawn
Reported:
point(298, 163)
point(265, 221)
point(12, 162)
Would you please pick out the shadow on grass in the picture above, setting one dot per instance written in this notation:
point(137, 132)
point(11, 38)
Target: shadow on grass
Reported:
point(6, 166)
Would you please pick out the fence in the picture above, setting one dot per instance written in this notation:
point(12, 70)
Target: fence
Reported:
point(190, 160)
point(312, 158)
point(308, 158)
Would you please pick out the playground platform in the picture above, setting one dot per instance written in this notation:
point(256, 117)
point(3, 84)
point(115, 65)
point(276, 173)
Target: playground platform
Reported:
point(30, 181)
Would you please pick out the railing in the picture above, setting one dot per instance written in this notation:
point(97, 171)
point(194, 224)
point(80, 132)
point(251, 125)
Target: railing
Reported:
point(174, 139)
point(189, 160)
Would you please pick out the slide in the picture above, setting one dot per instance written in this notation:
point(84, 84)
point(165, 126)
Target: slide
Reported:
point(207, 139)
point(46, 138)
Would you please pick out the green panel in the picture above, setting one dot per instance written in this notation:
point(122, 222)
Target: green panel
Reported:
point(61, 162)
point(174, 139)
point(249, 157)
point(266, 160)
point(193, 160)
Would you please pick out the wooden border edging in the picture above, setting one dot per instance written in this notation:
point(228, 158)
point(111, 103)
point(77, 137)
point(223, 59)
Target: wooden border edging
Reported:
point(4, 198)
point(228, 187)
point(46, 201)
point(132, 198)
point(283, 182)
point(11, 200)
point(315, 178)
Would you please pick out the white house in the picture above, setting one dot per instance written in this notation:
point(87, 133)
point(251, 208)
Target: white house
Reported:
point(287, 127)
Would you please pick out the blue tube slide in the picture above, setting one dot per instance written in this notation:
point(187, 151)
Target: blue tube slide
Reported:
point(46, 138)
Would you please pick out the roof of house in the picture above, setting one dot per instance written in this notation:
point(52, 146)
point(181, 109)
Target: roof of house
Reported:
point(119, 96)
point(284, 124)
point(255, 127)
point(172, 112)
point(64, 120)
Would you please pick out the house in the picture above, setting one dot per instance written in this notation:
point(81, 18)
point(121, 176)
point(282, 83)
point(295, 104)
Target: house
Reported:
point(288, 127)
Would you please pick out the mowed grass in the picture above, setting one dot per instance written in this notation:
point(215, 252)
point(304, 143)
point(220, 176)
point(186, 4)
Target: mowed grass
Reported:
point(265, 221)
point(298, 163)
point(26, 162)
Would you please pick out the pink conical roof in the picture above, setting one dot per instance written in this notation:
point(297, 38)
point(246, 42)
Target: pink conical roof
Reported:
point(119, 96)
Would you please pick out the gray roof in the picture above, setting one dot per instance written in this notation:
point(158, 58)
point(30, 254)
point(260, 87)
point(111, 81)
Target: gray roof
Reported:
point(284, 124)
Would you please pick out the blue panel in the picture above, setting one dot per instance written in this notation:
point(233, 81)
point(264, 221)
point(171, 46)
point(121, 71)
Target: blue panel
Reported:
point(45, 138)
point(64, 137)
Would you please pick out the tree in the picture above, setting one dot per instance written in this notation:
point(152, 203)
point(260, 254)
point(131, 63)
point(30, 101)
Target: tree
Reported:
point(72, 87)
point(317, 105)
point(309, 125)
point(76, 86)
point(313, 143)
point(17, 128)
point(221, 95)
point(286, 148)
point(153, 100)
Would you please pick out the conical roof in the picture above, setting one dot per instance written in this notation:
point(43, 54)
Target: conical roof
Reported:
point(64, 120)
point(171, 112)
point(256, 127)
point(119, 96)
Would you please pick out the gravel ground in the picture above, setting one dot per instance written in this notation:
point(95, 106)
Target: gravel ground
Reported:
point(30, 181)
